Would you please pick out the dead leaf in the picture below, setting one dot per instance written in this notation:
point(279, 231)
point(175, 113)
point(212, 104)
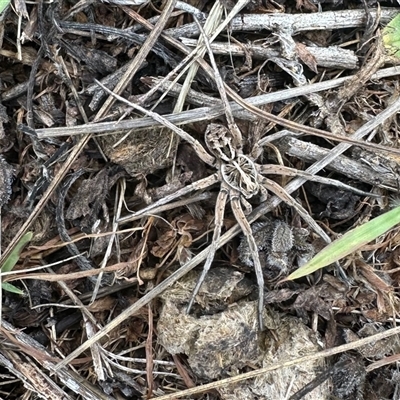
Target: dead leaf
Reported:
point(306, 57)
point(105, 304)
point(164, 244)
point(138, 254)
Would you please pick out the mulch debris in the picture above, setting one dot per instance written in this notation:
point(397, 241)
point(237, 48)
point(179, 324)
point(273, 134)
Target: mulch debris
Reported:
point(76, 164)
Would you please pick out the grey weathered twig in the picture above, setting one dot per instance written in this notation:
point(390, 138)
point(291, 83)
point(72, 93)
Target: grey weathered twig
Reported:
point(329, 57)
point(204, 113)
point(37, 380)
point(353, 169)
point(297, 23)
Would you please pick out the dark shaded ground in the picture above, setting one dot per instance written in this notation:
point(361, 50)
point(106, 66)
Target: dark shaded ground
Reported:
point(70, 186)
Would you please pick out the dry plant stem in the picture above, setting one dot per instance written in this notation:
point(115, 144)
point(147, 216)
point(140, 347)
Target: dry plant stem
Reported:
point(385, 361)
point(74, 299)
point(154, 208)
point(141, 56)
point(360, 133)
point(327, 57)
point(257, 213)
point(118, 205)
point(64, 277)
point(90, 323)
point(181, 5)
point(204, 113)
point(234, 130)
point(32, 377)
point(197, 52)
point(210, 25)
point(351, 168)
point(296, 22)
point(192, 97)
point(282, 170)
point(171, 206)
point(149, 353)
point(69, 378)
point(99, 364)
point(283, 364)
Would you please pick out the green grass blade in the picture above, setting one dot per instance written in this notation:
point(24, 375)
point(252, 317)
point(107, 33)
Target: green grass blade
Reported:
point(11, 288)
point(349, 243)
point(3, 5)
point(391, 36)
point(13, 258)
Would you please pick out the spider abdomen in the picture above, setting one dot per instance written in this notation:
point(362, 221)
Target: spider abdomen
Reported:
point(241, 175)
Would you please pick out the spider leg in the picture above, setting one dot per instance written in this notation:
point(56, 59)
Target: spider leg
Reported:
point(264, 194)
point(246, 229)
point(197, 146)
point(198, 185)
point(219, 219)
point(270, 169)
point(288, 199)
point(247, 206)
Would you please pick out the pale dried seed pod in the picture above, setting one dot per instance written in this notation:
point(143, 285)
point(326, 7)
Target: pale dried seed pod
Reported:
point(279, 246)
point(282, 238)
point(262, 236)
point(6, 178)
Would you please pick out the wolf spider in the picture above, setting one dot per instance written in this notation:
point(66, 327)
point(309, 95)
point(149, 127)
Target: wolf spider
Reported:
point(240, 179)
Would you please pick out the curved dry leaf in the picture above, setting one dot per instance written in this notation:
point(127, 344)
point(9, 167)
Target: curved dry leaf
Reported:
point(164, 244)
point(135, 259)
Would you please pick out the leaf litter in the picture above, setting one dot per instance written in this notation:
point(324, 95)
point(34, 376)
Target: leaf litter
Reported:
point(47, 70)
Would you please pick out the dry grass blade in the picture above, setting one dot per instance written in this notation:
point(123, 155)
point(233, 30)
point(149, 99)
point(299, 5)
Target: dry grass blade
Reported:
point(204, 113)
point(140, 57)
